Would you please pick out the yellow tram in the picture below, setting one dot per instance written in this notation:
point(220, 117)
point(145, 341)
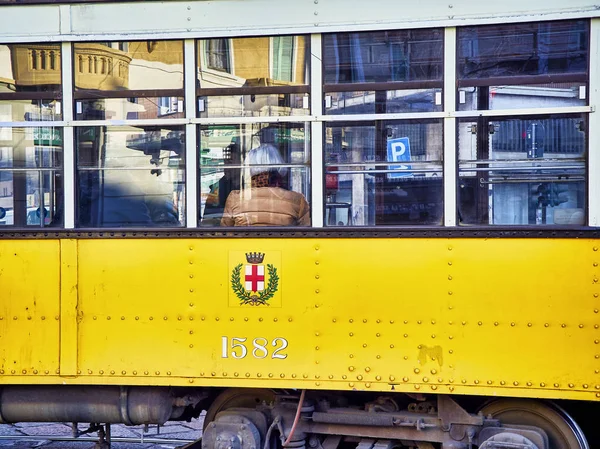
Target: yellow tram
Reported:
point(328, 223)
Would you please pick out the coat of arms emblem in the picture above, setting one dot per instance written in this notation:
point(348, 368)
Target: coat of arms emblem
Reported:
point(256, 288)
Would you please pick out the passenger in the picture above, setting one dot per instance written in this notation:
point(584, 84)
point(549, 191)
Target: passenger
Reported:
point(266, 203)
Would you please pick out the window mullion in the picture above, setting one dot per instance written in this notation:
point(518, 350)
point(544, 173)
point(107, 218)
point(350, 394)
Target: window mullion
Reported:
point(594, 127)
point(191, 155)
point(450, 127)
point(316, 137)
point(68, 135)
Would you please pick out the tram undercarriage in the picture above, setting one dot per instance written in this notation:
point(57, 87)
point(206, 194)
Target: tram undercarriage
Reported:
point(240, 418)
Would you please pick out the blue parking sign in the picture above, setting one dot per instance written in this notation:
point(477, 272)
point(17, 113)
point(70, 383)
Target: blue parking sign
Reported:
point(398, 150)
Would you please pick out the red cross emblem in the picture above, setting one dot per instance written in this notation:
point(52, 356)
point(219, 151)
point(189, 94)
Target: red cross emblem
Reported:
point(255, 278)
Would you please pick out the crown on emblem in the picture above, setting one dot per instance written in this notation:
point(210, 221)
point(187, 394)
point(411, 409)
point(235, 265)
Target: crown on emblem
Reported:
point(255, 257)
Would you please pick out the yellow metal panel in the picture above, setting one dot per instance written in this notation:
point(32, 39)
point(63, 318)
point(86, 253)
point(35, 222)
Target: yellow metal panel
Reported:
point(513, 317)
point(68, 309)
point(29, 309)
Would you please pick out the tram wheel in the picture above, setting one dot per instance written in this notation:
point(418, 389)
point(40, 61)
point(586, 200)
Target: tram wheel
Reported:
point(563, 432)
point(237, 397)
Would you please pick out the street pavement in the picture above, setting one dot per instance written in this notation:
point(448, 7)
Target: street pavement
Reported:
point(171, 436)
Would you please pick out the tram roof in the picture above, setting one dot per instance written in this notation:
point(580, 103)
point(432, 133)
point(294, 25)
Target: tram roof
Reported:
point(47, 20)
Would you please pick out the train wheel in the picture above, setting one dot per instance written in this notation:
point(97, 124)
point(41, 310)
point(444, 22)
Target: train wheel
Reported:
point(563, 432)
point(237, 397)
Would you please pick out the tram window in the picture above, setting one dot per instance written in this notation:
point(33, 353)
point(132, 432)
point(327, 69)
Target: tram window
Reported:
point(230, 171)
point(130, 176)
point(522, 171)
point(363, 187)
point(253, 76)
point(30, 82)
point(530, 65)
point(383, 71)
point(31, 177)
point(128, 80)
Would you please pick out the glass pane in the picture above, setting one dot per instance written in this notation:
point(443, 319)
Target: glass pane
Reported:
point(254, 105)
point(122, 66)
point(383, 56)
point(30, 68)
point(391, 101)
point(130, 177)
point(550, 95)
point(522, 171)
point(253, 61)
point(362, 188)
point(31, 184)
point(129, 108)
point(538, 48)
point(30, 110)
point(254, 174)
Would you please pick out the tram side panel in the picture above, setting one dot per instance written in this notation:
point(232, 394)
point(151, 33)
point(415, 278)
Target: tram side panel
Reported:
point(29, 310)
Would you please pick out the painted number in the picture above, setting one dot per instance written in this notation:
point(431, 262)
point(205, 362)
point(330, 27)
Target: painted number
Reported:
point(236, 348)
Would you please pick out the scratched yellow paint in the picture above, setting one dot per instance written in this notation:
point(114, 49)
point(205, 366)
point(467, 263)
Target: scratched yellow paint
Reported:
point(513, 317)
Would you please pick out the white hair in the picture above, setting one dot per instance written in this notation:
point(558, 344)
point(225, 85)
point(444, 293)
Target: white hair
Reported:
point(265, 154)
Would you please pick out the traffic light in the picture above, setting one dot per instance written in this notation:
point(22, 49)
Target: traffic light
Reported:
point(551, 194)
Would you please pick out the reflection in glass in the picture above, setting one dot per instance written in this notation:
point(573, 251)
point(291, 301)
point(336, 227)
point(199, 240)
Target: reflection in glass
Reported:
point(30, 110)
point(122, 66)
point(31, 185)
point(539, 48)
point(550, 95)
point(30, 68)
point(522, 171)
point(129, 108)
point(362, 185)
point(252, 62)
point(130, 177)
point(229, 162)
point(383, 56)
point(267, 105)
point(391, 101)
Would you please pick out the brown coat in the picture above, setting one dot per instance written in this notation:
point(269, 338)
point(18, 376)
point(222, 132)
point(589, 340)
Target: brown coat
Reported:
point(266, 206)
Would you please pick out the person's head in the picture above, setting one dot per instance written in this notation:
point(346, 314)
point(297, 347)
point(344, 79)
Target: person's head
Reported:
point(258, 159)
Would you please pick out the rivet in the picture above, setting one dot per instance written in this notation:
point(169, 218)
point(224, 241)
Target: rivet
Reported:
point(529, 384)
point(450, 293)
point(191, 290)
point(247, 374)
point(217, 319)
point(432, 335)
point(546, 325)
point(529, 324)
point(581, 325)
point(350, 368)
point(90, 371)
point(334, 320)
point(108, 318)
point(359, 377)
point(433, 371)
point(351, 356)
point(405, 335)
point(316, 348)
point(290, 319)
point(476, 382)
point(425, 379)
point(191, 304)
point(316, 262)
point(137, 318)
point(364, 345)
point(392, 346)
point(351, 320)
point(257, 375)
point(134, 373)
point(344, 376)
point(419, 321)
point(304, 375)
point(56, 318)
point(417, 370)
point(377, 377)
point(378, 334)
point(13, 371)
point(515, 383)
point(596, 341)
point(502, 382)
point(563, 325)
point(146, 373)
point(151, 318)
point(45, 372)
point(450, 248)
point(480, 323)
point(392, 378)
point(450, 337)
point(351, 384)
point(191, 346)
point(556, 385)
point(231, 318)
point(451, 388)
point(317, 291)
point(368, 369)
point(157, 373)
point(513, 324)
point(391, 321)
point(203, 318)
point(595, 248)
point(405, 321)
point(123, 372)
point(351, 334)
point(214, 374)
point(586, 386)
point(434, 387)
point(191, 332)
point(260, 319)
point(417, 387)
point(542, 384)
point(451, 351)
point(368, 385)
point(364, 321)
point(316, 306)
point(191, 381)
point(113, 372)
point(571, 385)
point(449, 278)
point(377, 356)
point(378, 321)
point(597, 387)
point(317, 276)
point(489, 382)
